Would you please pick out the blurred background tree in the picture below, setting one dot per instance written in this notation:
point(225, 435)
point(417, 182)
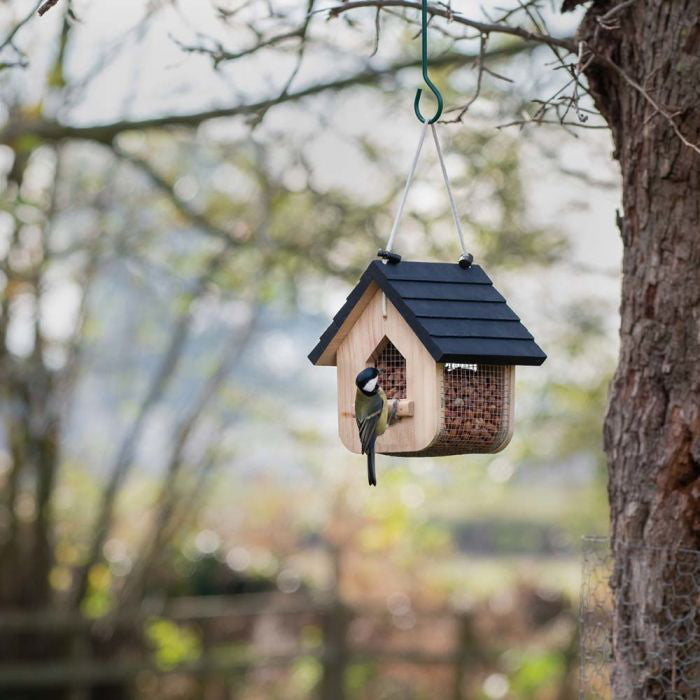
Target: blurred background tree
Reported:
point(188, 191)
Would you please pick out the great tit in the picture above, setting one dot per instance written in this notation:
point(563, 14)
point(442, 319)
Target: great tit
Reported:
point(371, 413)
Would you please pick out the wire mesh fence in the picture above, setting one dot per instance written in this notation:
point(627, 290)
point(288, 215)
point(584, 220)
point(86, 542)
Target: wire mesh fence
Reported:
point(596, 619)
point(656, 625)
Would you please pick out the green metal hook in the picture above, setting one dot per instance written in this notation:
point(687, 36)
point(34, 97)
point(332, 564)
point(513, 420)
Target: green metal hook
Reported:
point(426, 77)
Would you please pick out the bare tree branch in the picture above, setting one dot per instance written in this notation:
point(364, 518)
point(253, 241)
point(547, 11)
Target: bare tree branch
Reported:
point(160, 381)
point(167, 499)
point(9, 40)
point(127, 450)
point(452, 16)
point(106, 133)
point(198, 219)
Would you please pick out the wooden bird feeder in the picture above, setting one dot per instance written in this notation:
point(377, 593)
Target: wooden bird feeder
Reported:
point(446, 345)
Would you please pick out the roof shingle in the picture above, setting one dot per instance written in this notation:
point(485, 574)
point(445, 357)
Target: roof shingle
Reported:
point(457, 314)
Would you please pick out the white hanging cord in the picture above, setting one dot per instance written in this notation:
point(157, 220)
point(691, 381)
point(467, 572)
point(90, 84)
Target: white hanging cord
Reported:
point(453, 206)
point(466, 258)
point(402, 203)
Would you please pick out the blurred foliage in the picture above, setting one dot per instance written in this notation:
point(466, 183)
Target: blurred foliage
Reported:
point(535, 673)
point(173, 644)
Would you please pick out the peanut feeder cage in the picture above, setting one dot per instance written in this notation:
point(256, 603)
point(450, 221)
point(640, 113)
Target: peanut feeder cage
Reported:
point(445, 343)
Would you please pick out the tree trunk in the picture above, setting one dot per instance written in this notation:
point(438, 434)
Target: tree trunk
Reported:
point(652, 429)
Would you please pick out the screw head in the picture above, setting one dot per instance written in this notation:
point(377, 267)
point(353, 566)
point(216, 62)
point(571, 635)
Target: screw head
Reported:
point(465, 261)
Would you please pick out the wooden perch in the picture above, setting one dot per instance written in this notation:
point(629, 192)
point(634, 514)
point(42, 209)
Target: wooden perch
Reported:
point(404, 408)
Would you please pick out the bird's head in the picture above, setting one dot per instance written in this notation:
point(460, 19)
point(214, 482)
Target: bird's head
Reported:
point(368, 380)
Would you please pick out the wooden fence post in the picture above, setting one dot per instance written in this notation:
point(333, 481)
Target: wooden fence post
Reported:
point(80, 650)
point(466, 648)
point(335, 623)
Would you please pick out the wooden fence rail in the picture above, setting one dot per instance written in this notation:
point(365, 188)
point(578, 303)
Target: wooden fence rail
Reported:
point(80, 670)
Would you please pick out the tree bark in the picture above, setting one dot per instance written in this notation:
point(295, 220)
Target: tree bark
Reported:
point(652, 429)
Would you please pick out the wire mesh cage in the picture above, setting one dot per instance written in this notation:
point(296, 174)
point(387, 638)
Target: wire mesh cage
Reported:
point(476, 405)
point(392, 371)
point(659, 641)
point(476, 409)
point(475, 402)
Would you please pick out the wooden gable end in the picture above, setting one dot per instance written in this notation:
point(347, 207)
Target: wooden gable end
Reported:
point(328, 356)
point(354, 352)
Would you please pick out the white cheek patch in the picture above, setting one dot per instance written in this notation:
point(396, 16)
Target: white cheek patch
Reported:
point(371, 385)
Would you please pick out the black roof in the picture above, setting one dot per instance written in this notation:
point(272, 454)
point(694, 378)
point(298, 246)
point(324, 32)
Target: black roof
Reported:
point(458, 314)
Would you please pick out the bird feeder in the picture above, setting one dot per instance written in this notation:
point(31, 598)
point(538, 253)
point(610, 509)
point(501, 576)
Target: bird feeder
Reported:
point(445, 343)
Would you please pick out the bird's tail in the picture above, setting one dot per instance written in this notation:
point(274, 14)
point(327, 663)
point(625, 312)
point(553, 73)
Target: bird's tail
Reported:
point(371, 472)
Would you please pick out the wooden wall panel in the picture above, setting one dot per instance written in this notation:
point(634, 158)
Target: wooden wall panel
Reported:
point(422, 378)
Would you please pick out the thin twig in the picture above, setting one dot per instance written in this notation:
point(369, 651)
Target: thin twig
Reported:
point(377, 30)
point(13, 32)
point(645, 94)
point(603, 20)
point(7, 41)
point(451, 15)
point(46, 7)
point(540, 24)
point(480, 65)
point(552, 122)
point(508, 13)
point(301, 50)
point(220, 55)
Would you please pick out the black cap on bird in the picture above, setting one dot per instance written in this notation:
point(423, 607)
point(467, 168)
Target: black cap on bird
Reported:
point(368, 380)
